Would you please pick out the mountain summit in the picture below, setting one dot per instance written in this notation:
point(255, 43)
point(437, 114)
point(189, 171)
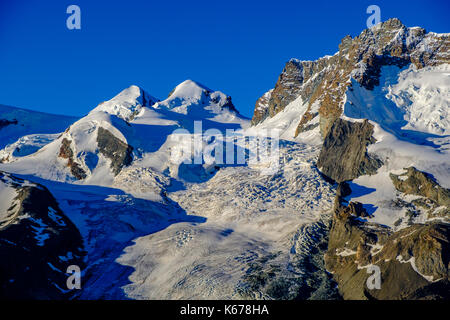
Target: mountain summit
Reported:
point(323, 84)
point(190, 97)
point(127, 103)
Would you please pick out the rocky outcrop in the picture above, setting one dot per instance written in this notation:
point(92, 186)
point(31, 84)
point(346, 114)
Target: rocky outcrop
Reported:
point(285, 91)
point(287, 87)
point(120, 153)
point(66, 152)
point(37, 245)
point(297, 78)
point(413, 262)
point(421, 183)
point(261, 111)
point(322, 83)
point(344, 152)
point(226, 104)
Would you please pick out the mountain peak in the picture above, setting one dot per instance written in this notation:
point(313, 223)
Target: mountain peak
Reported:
point(392, 23)
point(189, 88)
point(127, 103)
point(136, 93)
point(192, 96)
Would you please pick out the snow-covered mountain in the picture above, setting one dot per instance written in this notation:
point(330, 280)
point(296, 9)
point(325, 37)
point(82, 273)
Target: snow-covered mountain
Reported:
point(381, 107)
point(132, 127)
point(127, 103)
point(23, 132)
point(360, 178)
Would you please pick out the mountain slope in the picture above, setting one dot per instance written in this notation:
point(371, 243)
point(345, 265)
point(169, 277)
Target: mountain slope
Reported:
point(132, 126)
point(16, 123)
point(23, 132)
point(37, 242)
point(322, 84)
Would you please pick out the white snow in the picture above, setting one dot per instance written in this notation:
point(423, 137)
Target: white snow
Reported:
point(30, 122)
point(25, 146)
point(247, 215)
point(287, 120)
point(345, 252)
point(424, 96)
point(127, 103)
point(40, 230)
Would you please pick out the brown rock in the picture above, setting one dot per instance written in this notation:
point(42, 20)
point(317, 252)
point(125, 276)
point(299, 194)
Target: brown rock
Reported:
point(344, 152)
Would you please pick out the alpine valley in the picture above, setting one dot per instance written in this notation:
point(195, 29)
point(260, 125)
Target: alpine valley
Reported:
point(361, 180)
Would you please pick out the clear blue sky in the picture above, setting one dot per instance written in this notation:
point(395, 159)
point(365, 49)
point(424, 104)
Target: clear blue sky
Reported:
point(238, 47)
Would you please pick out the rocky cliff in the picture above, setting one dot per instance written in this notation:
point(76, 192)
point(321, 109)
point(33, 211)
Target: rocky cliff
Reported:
point(344, 153)
point(66, 152)
point(37, 243)
point(118, 152)
point(322, 83)
point(414, 262)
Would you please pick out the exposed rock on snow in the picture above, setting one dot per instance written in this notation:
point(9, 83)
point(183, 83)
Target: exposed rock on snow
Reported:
point(66, 152)
point(37, 243)
point(422, 272)
point(115, 150)
point(344, 152)
point(420, 183)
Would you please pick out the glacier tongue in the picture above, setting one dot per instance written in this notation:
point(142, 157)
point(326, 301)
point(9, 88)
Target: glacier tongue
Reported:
point(250, 222)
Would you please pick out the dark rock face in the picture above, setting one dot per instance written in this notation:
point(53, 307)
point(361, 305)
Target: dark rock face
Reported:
point(261, 111)
point(37, 245)
point(66, 152)
point(414, 262)
point(228, 104)
point(120, 153)
point(287, 87)
point(344, 152)
point(371, 77)
point(356, 209)
point(298, 78)
point(286, 90)
point(420, 183)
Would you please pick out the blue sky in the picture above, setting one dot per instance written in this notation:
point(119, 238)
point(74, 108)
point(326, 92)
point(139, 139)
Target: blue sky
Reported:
point(238, 47)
